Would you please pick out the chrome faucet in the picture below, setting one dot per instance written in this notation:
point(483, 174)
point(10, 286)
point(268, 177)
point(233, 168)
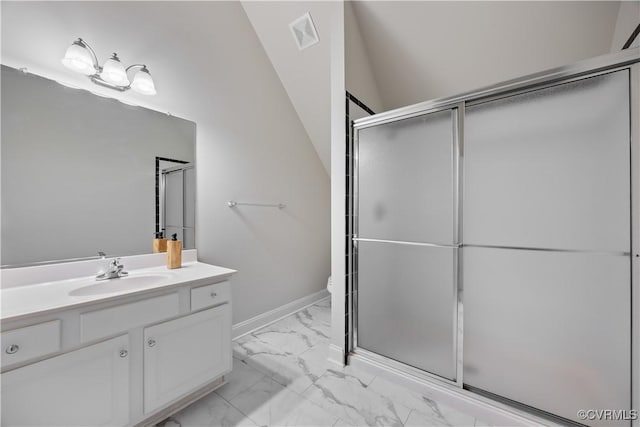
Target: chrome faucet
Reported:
point(114, 271)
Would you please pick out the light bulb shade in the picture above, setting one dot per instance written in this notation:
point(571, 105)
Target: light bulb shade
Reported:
point(113, 72)
point(143, 83)
point(79, 59)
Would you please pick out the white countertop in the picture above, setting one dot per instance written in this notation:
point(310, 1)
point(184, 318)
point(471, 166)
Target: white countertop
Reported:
point(34, 299)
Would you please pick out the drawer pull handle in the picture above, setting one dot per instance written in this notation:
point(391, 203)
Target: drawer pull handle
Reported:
point(151, 342)
point(124, 353)
point(13, 348)
point(213, 294)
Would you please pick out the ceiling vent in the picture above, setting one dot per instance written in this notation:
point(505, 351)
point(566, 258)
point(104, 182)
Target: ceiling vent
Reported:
point(304, 32)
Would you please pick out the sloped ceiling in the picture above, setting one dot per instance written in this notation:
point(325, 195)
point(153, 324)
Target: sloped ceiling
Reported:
point(420, 50)
point(304, 73)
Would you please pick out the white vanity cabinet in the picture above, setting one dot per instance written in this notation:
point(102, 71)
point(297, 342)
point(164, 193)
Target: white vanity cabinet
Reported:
point(185, 353)
point(88, 387)
point(131, 360)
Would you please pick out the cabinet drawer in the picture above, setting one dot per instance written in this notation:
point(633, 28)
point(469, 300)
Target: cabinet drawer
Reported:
point(109, 321)
point(30, 342)
point(210, 295)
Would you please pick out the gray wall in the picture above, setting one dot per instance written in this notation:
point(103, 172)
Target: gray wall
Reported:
point(78, 170)
point(252, 147)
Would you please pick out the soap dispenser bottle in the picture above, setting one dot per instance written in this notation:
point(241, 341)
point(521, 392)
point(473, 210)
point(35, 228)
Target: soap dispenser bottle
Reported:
point(174, 252)
point(159, 243)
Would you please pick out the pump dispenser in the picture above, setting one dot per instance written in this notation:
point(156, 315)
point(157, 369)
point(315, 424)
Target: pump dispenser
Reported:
point(174, 252)
point(159, 243)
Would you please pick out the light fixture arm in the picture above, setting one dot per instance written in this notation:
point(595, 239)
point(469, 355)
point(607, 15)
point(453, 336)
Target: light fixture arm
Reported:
point(143, 66)
point(84, 44)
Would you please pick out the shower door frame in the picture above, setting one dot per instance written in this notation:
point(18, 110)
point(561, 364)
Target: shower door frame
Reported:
point(182, 168)
point(457, 112)
point(625, 60)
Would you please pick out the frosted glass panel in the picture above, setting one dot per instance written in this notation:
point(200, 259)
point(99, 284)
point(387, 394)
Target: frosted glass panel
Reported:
point(550, 168)
point(550, 330)
point(405, 179)
point(405, 304)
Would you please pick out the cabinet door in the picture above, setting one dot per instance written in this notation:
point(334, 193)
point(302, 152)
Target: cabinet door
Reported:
point(183, 354)
point(86, 387)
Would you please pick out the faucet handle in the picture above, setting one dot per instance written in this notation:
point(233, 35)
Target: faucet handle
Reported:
point(102, 255)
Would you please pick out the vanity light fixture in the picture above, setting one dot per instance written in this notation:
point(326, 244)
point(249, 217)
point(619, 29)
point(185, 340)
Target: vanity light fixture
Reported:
point(81, 58)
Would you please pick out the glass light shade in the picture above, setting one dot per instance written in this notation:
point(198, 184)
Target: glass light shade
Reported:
point(113, 72)
point(79, 59)
point(143, 83)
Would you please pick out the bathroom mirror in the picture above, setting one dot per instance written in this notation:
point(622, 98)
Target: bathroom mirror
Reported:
point(83, 173)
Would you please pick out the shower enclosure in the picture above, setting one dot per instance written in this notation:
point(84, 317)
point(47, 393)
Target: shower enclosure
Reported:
point(177, 201)
point(518, 203)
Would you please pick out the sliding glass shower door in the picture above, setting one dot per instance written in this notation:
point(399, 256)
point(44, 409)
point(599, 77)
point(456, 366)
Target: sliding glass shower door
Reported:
point(406, 241)
point(517, 203)
point(547, 240)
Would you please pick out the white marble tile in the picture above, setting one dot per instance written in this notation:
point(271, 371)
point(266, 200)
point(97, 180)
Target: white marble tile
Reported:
point(241, 378)
point(348, 398)
point(295, 372)
point(317, 359)
point(249, 346)
point(211, 410)
point(294, 334)
point(288, 370)
point(307, 414)
point(269, 403)
point(342, 423)
point(315, 315)
point(419, 419)
point(480, 423)
point(422, 403)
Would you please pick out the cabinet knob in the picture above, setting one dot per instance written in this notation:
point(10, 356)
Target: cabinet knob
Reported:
point(151, 342)
point(13, 348)
point(213, 294)
point(124, 353)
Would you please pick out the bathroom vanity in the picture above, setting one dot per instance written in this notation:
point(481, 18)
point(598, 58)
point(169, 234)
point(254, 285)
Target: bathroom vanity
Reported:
point(120, 352)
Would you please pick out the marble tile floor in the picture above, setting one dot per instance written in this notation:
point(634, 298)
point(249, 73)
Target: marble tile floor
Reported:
point(281, 377)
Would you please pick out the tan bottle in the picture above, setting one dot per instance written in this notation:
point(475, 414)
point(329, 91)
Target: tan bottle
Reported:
point(174, 252)
point(159, 243)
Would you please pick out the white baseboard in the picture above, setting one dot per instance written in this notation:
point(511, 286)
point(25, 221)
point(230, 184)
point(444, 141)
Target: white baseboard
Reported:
point(243, 328)
point(336, 355)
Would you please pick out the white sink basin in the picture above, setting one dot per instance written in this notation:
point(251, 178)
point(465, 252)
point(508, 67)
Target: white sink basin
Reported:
point(128, 283)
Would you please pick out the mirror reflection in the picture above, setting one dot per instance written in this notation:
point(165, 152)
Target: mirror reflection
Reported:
point(82, 173)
